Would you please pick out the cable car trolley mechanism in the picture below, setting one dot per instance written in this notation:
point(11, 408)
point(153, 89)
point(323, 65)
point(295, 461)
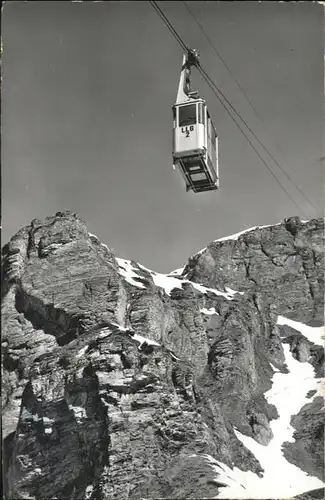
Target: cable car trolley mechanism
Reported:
point(195, 142)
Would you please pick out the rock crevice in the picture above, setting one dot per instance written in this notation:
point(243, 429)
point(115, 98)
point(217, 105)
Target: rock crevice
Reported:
point(118, 382)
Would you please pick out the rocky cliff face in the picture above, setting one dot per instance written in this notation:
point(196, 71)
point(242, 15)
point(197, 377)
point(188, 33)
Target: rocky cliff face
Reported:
point(122, 383)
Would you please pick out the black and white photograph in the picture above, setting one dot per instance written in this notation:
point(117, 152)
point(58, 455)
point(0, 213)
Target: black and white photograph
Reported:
point(162, 264)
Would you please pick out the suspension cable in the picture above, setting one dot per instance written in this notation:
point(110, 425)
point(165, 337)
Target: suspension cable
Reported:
point(251, 105)
point(169, 25)
point(245, 123)
point(217, 92)
point(208, 81)
point(222, 60)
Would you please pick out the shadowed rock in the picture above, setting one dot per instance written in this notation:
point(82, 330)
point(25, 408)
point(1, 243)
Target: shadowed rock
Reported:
point(118, 391)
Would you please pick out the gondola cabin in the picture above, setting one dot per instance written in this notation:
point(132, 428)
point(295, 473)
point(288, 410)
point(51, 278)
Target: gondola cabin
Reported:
point(195, 142)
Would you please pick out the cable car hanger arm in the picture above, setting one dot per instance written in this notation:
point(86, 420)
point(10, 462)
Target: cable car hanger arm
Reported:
point(221, 97)
point(191, 58)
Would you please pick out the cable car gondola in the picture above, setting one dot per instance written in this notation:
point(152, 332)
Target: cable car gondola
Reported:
point(195, 141)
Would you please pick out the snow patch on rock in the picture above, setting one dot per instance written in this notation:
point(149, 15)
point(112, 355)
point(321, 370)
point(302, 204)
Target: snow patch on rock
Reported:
point(281, 479)
point(314, 334)
point(210, 311)
point(127, 271)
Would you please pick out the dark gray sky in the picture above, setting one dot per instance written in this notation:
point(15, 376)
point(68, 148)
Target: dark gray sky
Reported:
point(87, 126)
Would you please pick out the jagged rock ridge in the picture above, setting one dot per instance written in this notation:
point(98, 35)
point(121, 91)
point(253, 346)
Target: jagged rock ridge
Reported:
point(121, 383)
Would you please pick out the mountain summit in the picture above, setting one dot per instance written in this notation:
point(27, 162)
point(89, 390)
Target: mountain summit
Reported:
point(121, 383)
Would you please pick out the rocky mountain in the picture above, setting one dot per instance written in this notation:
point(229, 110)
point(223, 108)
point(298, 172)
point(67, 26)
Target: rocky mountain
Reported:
point(121, 383)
